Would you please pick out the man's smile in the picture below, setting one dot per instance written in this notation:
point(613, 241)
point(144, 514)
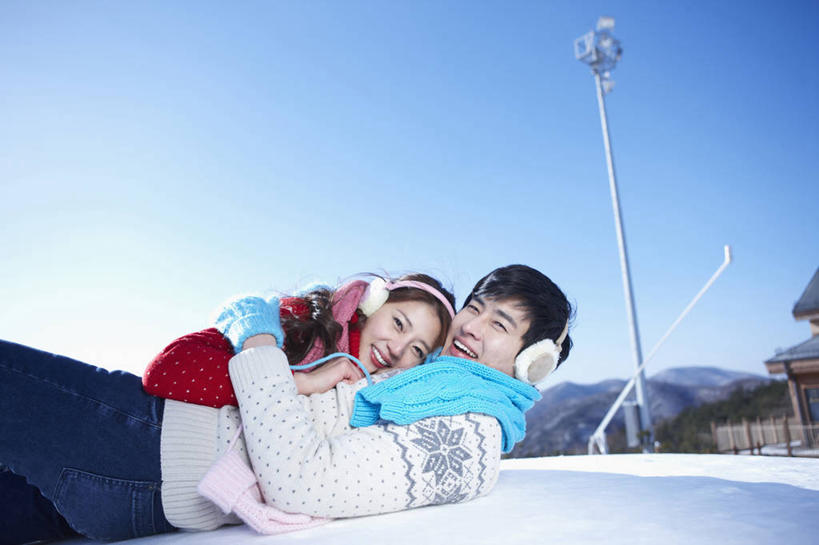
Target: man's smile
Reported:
point(461, 347)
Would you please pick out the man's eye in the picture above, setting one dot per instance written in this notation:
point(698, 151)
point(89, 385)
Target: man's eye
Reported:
point(472, 307)
point(501, 326)
point(399, 324)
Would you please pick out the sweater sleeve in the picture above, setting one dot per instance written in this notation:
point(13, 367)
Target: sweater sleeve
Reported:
point(314, 463)
point(203, 355)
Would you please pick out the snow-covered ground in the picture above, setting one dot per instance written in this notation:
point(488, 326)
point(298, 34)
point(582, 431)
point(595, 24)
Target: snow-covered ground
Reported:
point(617, 499)
point(800, 472)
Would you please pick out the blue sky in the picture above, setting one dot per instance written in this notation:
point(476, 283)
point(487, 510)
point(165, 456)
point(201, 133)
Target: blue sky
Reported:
point(156, 159)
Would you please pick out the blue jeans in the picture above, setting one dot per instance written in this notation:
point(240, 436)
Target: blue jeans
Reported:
point(87, 438)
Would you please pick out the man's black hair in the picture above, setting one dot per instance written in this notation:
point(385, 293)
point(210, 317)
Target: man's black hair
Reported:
point(545, 305)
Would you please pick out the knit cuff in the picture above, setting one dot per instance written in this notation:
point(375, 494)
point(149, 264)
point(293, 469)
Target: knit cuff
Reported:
point(364, 413)
point(261, 364)
point(268, 520)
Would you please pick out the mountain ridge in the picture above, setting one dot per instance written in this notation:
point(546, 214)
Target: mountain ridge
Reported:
point(568, 413)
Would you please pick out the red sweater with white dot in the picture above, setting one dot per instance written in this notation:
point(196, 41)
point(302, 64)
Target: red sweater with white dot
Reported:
point(194, 367)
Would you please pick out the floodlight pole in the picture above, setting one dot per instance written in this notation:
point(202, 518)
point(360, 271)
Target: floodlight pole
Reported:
point(640, 386)
point(602, 53)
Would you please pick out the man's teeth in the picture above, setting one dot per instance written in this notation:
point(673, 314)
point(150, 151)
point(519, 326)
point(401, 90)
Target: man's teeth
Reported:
point(464, 349)
point(380, 358)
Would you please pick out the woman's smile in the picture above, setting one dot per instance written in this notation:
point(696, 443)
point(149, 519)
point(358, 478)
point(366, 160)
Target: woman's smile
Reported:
point(378, 359)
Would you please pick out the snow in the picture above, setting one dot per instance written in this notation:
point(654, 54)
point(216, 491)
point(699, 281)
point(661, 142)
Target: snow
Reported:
point(800, 472)
point(616, 499)
point(781, 449)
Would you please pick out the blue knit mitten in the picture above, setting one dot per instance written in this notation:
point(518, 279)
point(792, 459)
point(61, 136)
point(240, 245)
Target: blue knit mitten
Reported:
point(243, 317)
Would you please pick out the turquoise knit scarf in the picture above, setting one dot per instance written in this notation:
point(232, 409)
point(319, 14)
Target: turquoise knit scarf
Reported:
point(448, 386)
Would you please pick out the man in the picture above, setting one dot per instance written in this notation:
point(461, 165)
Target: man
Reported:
point(510, 309)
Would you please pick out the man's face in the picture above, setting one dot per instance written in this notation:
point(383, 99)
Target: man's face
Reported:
point(489, 331)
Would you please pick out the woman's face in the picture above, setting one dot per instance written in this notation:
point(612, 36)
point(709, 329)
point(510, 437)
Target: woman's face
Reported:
point(398, 335)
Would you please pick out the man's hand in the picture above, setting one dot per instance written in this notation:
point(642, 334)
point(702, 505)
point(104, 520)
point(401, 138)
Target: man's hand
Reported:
point(327, 376)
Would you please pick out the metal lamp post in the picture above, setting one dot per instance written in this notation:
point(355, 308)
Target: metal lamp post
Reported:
point(601, 51)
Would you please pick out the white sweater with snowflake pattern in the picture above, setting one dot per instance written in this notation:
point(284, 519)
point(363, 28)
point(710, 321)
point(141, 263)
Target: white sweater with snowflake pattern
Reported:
point(308, 459)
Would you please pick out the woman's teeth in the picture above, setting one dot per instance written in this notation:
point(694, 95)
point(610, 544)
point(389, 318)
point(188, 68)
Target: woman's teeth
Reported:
point(380, 358)
point(464, 349)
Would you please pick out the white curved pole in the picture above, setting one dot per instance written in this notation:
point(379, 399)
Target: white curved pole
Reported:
point(598, 438)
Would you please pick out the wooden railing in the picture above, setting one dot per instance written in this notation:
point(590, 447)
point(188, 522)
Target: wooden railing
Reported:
point(753, 435)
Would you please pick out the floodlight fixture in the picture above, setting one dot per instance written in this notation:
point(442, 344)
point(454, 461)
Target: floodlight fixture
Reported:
point(605, 23)
point(600, 50)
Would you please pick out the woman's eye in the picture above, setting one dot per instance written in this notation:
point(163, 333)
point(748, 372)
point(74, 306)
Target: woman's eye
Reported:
point(419, 352)
point(399, 324)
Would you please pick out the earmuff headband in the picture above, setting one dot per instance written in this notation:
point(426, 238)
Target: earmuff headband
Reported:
point(425, 287)
point(559, 341)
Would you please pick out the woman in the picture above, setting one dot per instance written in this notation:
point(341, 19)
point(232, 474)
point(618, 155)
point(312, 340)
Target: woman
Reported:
point(314, 324)
point(89, 439)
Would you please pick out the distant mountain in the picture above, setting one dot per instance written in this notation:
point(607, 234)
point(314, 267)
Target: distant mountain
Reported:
point(569, 390)
point(688, 431)
point(568, 413)
point(701, 376)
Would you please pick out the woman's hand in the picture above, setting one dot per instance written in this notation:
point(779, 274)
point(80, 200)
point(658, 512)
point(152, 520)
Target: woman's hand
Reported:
point(260, 340)
point(327, 376)
point(246, 316)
